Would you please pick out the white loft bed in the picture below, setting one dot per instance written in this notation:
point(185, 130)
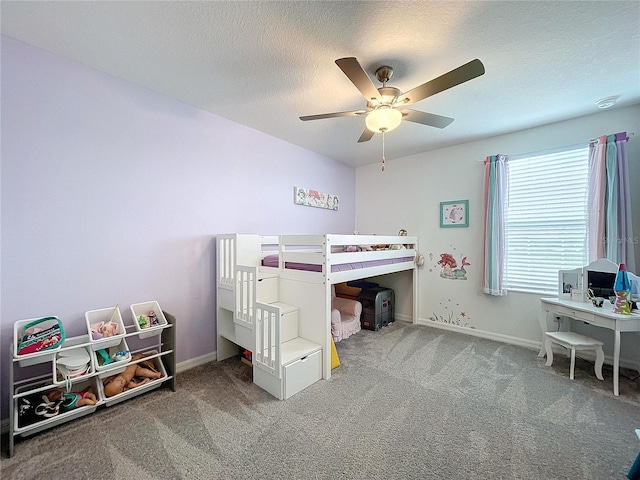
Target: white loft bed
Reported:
point(282, 313)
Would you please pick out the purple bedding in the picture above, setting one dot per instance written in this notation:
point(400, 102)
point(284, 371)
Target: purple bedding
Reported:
point(272, 261)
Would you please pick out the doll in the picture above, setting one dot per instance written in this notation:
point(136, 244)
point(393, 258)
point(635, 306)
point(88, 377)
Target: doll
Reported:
point(67, 401)
point(74, 400)
point(127, 379)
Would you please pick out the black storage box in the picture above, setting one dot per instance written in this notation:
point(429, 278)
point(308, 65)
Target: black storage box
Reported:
point(377, 308)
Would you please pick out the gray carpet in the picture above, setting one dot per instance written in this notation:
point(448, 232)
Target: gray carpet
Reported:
point(408, 402)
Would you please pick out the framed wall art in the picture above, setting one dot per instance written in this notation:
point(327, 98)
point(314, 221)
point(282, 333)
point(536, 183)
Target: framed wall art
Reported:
point(313, 198)
point(454, 214)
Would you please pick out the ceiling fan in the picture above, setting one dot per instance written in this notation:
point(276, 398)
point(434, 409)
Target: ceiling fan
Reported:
point(386, 105)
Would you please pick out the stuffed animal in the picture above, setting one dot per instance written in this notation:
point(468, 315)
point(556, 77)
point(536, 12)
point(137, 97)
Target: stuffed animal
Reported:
point(403, 233)
point(104, 329)
point(126, 380)
point(399, 246)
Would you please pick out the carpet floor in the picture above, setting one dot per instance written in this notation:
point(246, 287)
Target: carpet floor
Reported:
point(407, 402)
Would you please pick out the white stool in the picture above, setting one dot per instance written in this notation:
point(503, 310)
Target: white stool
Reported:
point(574, 341)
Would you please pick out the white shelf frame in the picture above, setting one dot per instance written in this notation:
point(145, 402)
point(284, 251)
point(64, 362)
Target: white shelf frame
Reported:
point(165, 347)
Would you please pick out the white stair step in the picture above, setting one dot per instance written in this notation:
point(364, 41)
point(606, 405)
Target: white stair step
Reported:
point(285, 307)
point(297, 348)
point(267, 289)
point(289, 325)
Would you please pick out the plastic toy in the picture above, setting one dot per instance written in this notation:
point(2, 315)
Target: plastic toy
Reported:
point(153, 319)
point(104, 329)
point(69, 401)
point(55, 402)
point(109, 328)
point(622, 289)
point(146, 371)
point(73, 363)
point(149, 320)
point(597, 301)
point(116, 357)
point(143, 321)
point(104, 358)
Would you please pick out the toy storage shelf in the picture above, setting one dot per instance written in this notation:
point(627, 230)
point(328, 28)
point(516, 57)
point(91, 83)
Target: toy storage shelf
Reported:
point(162, 345)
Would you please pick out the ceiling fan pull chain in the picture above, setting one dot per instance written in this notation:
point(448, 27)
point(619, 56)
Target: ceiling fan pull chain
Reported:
point(383, 150)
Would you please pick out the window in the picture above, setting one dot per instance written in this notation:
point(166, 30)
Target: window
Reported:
point(545, 218)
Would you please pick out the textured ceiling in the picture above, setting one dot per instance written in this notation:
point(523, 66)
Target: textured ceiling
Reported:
point(264, 64)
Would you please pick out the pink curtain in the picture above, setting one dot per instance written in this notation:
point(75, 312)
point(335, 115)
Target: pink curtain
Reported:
point(596, 201)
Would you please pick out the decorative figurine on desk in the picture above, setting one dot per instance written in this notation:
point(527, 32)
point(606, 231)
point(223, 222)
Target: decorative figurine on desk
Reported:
point(622, 289)
point(597, 301)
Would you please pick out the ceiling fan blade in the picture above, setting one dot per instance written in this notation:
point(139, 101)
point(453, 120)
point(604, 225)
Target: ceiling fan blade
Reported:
point(354, 71)
point(366, 136)
point(462, 74)
point(352, 113)
point(424, 118)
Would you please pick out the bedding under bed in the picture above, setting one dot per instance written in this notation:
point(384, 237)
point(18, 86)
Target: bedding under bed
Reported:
point(273, 261)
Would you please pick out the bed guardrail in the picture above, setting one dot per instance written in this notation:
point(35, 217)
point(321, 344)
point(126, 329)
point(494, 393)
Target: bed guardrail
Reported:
point(246, 278)
point(226, 260)
point(267, 329)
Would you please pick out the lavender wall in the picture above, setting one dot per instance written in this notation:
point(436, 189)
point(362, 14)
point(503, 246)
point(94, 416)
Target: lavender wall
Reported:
point(113, 194)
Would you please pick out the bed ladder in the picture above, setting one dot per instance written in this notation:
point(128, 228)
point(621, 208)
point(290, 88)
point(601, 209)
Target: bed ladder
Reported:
point(274, 326)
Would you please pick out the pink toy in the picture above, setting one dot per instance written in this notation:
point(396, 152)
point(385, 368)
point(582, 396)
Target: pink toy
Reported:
point(104, 329)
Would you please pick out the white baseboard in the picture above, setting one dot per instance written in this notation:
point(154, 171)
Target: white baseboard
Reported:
point(196, 362)
point(498, 337)
point(522, 342)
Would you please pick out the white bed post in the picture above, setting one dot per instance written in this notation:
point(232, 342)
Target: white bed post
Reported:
point(415, 287)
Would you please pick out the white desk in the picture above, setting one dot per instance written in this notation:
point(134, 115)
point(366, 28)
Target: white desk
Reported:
point(598, 316)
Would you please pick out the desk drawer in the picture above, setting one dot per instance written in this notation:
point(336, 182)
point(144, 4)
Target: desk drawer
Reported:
point(576, 314)
point(604, 322)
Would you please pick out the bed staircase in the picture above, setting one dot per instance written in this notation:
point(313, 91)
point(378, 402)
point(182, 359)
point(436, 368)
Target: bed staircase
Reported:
point(283, 362)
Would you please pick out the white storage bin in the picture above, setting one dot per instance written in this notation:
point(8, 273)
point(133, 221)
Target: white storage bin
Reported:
point(64, 416)
point(154, 383)
point(114, 367)
point(142, 310)
point(42, 356)
point(70, 360)
point(106, 315)
point(302, 373)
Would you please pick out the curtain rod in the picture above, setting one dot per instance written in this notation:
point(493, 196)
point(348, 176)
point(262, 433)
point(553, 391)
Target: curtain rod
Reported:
point(629, 134)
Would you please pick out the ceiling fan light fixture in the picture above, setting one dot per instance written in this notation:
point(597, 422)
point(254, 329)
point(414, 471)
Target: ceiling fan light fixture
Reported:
point(383, 119)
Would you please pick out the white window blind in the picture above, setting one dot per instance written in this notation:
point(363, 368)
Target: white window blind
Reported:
point(545, 218)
